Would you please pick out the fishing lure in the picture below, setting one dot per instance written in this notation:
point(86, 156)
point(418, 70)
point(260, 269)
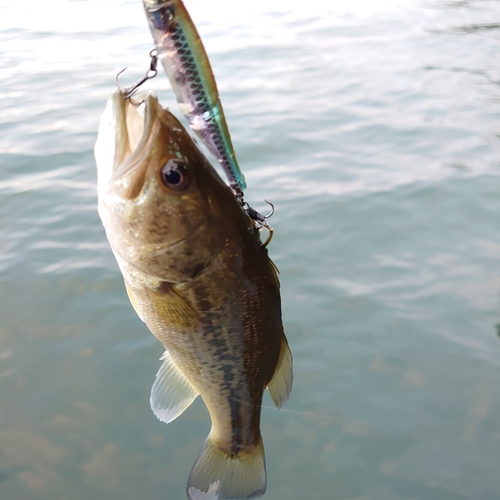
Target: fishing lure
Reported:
point(260, 220)
point(181, 52)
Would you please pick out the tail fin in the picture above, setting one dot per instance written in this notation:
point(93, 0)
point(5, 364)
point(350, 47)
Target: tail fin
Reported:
point(219, 476)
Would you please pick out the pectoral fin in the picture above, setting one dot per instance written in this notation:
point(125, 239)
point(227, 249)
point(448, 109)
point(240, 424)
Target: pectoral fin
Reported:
point(281, 383)
point(172, 392)
point(172, 307)
point(133, 301)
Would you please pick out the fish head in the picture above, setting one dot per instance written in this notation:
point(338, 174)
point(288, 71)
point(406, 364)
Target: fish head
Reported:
point(163, 205)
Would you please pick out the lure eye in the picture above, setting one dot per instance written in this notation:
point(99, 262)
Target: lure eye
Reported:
point(162, 17)
point(175, 175)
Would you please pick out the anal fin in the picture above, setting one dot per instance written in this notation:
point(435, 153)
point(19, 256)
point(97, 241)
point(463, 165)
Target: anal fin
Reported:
point(172, 392)
point(281, 383)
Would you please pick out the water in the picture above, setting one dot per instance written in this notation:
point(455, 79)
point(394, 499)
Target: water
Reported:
point(374, 129)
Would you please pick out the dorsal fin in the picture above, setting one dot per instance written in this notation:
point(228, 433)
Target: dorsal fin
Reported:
point(276, 272)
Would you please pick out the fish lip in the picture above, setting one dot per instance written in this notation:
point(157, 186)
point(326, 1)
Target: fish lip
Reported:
point(127, 156)
point(125, 139)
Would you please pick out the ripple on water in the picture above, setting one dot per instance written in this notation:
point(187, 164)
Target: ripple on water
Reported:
point(373, 127)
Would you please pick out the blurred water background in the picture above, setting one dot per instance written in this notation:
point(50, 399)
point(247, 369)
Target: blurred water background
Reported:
point(373, 126)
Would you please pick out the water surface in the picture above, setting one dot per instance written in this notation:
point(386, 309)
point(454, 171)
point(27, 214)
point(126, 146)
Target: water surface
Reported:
point(374, 129)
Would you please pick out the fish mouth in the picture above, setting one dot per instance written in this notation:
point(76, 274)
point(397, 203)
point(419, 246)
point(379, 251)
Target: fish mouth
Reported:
point(127, 128)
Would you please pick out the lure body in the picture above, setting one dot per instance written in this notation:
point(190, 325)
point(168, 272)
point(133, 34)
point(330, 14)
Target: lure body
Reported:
point(181, 52)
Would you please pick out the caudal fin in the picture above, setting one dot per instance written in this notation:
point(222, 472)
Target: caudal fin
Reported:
point(219, 476)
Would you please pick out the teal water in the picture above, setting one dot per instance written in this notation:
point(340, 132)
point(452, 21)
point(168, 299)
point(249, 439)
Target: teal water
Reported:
point(374, 128)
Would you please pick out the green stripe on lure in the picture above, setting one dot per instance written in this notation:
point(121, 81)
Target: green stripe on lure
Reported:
point(186, 63)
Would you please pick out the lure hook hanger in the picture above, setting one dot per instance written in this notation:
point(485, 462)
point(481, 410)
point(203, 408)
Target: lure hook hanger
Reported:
point(150, 73)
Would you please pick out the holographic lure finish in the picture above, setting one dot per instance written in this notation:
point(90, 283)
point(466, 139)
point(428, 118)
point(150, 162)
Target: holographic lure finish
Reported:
point(180, 50)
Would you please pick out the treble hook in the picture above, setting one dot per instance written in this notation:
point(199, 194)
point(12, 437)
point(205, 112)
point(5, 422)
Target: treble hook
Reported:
point(261, 219)
point(272, 209)
point(150, 73)
point(256, 216)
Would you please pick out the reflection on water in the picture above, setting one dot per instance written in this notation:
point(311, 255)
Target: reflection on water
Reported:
point(373, 128)
point(473, 28)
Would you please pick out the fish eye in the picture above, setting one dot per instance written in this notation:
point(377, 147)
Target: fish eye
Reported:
point(175, 175)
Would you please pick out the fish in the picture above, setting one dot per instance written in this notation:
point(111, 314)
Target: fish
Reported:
point(181, 52)
point(199, 277)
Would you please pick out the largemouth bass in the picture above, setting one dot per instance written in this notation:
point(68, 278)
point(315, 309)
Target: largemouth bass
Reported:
point(198, 275)
point(186, 63)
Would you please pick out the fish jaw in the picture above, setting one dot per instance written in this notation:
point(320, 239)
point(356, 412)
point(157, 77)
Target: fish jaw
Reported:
point(125, 128)
point(111, 139)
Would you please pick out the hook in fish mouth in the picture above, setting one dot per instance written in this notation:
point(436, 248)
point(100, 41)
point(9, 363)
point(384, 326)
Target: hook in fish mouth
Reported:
point(150, 73)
